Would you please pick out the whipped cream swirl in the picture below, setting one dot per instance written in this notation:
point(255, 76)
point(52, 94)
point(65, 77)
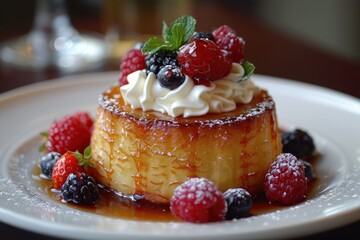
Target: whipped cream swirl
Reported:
point(144, 92)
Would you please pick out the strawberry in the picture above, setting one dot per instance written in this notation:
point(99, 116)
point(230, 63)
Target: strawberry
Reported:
point(70, 133)
point(71, 162)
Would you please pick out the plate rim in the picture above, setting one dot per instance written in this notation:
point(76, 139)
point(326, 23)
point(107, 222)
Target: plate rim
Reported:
point(82, 78)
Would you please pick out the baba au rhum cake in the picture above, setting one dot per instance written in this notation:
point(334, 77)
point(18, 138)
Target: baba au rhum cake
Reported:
point(171, 119)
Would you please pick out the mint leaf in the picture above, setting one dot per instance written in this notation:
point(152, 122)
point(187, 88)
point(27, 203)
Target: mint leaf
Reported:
point(179, 32)
point(165, 30)
point(189, 23)
point(175, 37)
point(152, 45)
point(249, 70)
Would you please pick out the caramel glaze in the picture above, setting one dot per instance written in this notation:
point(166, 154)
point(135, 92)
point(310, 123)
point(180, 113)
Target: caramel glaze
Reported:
point(112, 204)
point(150, 153)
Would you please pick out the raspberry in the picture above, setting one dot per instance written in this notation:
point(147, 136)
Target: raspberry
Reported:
point(47, 163)
point(222, 31)
point(69, 133)
point(198, 200)
point(203, 59)
point(226, 38)
point(233, 45)
point(239, 203)
point(298, 143)
point(85, 118)
point(80, 188)
point(285, 181)
point(132, 61)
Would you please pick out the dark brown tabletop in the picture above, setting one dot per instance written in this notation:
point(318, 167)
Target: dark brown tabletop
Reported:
point(274, 53)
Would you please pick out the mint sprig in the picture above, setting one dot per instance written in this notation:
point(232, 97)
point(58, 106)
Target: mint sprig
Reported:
point(249, 70)
point(173, 37)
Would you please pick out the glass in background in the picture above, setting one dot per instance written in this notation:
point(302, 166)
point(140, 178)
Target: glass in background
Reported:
point(54, 43)
point(127, 22)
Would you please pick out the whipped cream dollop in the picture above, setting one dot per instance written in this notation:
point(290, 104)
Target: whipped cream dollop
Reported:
point(144, 92)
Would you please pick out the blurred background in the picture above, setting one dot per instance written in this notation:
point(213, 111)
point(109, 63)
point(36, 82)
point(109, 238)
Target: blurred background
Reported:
point(310, 41)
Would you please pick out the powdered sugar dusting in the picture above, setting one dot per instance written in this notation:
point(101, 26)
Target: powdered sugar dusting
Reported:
point(338, 194)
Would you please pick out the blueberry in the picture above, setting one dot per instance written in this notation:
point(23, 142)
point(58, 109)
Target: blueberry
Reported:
point(171, 77)
point(203, 35)
point(239, 202)
point(47, 163)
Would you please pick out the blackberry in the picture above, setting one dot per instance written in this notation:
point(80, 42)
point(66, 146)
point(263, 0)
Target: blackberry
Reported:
point(298, 143)
point(170, 77)
point(156, 61)
point(80, 188)
point(47, 163)
point(239, 202)
point(204, 35)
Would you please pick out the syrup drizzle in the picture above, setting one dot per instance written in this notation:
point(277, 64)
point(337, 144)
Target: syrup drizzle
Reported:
point(113, 204)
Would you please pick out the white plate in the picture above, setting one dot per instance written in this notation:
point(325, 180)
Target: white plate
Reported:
point(331, 117)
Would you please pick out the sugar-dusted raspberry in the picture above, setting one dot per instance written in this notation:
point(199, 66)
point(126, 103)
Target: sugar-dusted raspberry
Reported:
point(70, 133)
point(233, 45)
point(285, 181)
point(203, 59)
point(132, 61)
point(85, 118)
point(226, 38)
point(222, 31)
point(198, 200)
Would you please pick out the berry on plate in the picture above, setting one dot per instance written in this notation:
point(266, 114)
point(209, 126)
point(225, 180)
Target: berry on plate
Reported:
point(239, 203)
point(71, 162)
point(299, 143)
point(47, 163)
point(70, 133)
point(80, 188)
point(198, 200)
point(285, 181)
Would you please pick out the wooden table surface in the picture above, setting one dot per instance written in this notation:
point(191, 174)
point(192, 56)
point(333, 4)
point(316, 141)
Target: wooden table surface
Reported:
point(274, 53)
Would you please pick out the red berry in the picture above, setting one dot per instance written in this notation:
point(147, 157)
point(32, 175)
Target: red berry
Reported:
point(285, 181)
point(85, 118)
point(203, 59)
point(69, 133)
point(226, 38)
point(132, 61)
point(70, 162)
point(198, 200)
point(222, 31)
point(233, 45)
